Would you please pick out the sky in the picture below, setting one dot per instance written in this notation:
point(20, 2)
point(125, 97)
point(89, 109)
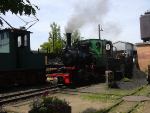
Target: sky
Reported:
point(119, 19)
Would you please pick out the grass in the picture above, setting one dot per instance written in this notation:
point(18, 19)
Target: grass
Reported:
point(125, 79)
point(113, 96)
point(109, 95)
point(140, 108)
point(100, 97)
point(119, 92)
point(91, 110)
point(145, 91)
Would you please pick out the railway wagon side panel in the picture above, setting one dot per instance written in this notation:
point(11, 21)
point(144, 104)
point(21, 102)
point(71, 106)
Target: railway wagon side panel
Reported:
point(31, 60)
point(7, 61)
point(18, 64)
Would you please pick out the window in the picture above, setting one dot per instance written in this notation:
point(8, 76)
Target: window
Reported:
point(22, 41)
point(25, 40)
point(4, 43)
point(19, 41)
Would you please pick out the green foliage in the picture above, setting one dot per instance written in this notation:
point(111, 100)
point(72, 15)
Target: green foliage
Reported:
point(17, 7)
point(45, 46)
point(55, 42)
point(92, 110)
point(125, 79)
point(50, 105)
point(101, 97)
point(54, 101)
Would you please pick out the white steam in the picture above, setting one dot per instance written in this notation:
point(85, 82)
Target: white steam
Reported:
point(92, 12)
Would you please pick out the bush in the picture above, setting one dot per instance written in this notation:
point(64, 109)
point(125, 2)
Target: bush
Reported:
point(50, 105)
point(90, 110)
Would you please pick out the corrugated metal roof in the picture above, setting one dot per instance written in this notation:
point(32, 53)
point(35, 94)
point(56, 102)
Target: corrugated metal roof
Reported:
point(123, 42)
point(121, 45)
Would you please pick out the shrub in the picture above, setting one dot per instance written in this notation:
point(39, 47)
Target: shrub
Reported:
point(50, 105)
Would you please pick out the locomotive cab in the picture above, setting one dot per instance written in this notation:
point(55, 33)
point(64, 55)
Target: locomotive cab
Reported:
point(14, 43)
point(10, 39)
point(18, 64)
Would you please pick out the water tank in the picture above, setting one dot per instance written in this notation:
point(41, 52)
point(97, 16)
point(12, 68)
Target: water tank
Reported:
point(145, 26)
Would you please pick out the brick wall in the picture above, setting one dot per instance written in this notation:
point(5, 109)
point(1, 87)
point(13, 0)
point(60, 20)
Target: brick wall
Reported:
point(143, 52)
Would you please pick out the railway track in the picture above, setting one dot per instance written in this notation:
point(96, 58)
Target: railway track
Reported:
point(121, 106)
point(7, 98)
point(127, 107)
point(22, 95)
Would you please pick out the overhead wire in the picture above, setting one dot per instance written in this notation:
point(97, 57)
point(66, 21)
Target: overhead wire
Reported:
point(6, 22)
point(26, 23)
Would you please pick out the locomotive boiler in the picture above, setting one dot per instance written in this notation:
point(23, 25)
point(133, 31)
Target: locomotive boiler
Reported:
point(93, 52)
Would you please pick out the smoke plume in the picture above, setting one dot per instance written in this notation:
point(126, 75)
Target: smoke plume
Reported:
point(112, 28)
point(87, 11)
point(93, 12)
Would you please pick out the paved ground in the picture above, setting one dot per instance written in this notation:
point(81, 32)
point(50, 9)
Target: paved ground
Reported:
point(97, 97)
point(80, 102)
point(76, 100)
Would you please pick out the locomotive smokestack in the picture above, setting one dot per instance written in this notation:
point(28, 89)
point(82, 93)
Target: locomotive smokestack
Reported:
point(68, 35)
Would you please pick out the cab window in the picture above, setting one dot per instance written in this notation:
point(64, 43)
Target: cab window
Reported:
point(4, 43)
point(22, 41)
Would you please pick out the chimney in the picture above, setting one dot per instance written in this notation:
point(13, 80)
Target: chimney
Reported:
point(68, 35)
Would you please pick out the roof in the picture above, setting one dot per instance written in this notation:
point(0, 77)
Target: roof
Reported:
point(123, 42)
point(94, 39)
point(143, 44)
point(14, 30)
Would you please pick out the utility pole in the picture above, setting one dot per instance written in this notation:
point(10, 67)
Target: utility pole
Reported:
point(99, 30)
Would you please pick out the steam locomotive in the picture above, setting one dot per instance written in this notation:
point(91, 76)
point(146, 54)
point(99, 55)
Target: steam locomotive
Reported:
point(87, 60)
point(83, 61)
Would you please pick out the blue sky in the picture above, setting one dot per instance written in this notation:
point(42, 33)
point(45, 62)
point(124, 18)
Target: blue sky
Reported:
point(120, 19)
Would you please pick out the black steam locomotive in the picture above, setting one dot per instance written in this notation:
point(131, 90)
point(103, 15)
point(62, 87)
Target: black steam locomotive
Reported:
point(87, 60)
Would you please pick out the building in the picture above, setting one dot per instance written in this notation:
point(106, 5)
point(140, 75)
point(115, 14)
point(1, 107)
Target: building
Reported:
point(143, 49)
point(124, 47)
point(143, 54)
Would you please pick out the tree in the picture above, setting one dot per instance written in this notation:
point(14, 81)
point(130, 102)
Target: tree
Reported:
point(76, 36)
point(17, 7)
point(55, 42)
